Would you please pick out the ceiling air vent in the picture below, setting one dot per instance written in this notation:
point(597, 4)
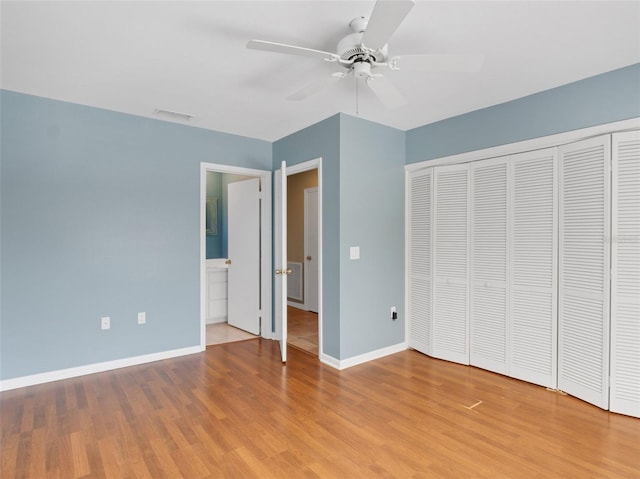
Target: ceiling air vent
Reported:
point(174, 115)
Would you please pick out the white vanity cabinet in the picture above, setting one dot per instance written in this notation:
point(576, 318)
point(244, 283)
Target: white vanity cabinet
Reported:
point(216, 291)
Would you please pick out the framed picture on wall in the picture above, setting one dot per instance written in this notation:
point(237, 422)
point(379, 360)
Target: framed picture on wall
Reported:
point(212, 216)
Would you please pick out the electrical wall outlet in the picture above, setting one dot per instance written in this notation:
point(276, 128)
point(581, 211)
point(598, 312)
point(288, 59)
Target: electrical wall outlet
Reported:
point(394, 313)
point(105, 322)
point(142, 317)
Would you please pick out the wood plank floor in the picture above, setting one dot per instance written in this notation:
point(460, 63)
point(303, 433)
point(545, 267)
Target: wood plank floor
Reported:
point(235, 411)
point(302, 330)
point(220, 333)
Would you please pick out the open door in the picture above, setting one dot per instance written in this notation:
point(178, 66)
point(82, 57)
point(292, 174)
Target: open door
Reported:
point(280, 261)
point(244, 255)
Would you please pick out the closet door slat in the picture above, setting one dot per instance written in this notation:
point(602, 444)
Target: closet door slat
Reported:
point(625, 275)
point(419, 261)
point(533, 267)
point(488, 299)
point(451, 243)
point(583, 322)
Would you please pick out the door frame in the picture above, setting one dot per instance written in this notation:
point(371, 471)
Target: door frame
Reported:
point(293, 170)
point(265, 244)
point(306, 237)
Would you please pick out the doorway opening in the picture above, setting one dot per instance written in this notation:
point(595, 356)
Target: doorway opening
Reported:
point(235, 253)
point(304, 232)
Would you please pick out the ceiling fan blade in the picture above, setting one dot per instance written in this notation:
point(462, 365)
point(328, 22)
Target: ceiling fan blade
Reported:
point(290, 50)
point(386, 17)
point(316, 86)
point(438, 63)
point(385, 91)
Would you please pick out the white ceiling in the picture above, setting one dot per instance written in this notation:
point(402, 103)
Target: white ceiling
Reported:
point(190, 57)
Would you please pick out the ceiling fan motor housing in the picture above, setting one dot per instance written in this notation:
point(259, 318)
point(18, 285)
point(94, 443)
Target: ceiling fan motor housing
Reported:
point(350, 47)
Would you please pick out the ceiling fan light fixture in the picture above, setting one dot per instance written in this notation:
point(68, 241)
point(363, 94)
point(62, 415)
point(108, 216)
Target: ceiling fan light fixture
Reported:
point(362, 69)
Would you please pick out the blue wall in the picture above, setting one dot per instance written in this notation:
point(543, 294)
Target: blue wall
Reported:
point(362, 205)
point(322, 140)
point(100, 217)
point(605, 98)
point(371, 217)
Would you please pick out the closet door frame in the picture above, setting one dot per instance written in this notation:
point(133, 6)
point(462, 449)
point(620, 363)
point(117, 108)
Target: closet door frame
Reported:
point(551, 141)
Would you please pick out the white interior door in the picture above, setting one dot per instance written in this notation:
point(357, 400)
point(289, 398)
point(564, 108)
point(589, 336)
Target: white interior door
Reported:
point(311, 248)
point(280, 260)
point(488, 298)
point(583, 302)
point(625, 275)
point(451, 264)
point(243, 237)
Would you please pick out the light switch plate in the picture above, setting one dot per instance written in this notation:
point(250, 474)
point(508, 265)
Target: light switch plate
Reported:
point(354, 252)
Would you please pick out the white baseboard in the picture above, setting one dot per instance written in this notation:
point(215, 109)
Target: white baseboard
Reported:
point(218, 320)
point(297, 305)
point(40, 378)
point(362, 358)
point(330, 361)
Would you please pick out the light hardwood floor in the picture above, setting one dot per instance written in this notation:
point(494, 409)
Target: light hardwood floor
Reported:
point(302, 330)
point(220, 333)
point(235, 411)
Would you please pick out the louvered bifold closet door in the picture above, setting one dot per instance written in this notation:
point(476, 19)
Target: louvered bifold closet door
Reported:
point(583, 319)
point(533, 267)
point(625, 278)
point(450, 260)
point(419, 260)
point(488, 298)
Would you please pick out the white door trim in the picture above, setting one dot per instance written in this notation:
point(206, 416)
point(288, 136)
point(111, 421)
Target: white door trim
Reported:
point(540, 143)
point(265, 241)
point(299, 168)
point(306, 193)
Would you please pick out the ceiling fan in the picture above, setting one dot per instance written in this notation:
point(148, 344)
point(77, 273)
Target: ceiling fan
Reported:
point(364, 53)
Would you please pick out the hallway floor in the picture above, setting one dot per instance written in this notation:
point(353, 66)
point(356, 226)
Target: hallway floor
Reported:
point(302, 330)
point(220, 333)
